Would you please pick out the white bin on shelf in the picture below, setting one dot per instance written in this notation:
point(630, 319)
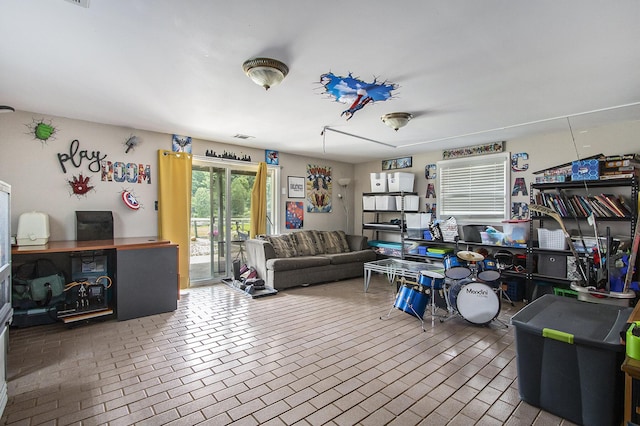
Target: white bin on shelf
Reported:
point(379, 182)
point(400, 181)
point(552, 239)
point(411, 202)
point(368, 202)
point(385, 202)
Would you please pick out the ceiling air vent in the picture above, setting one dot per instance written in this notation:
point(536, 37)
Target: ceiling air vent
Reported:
point(241, 136)
point(83, 3)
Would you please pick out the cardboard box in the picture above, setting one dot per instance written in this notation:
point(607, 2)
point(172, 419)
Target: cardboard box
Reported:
point(585, 170)
point(399, 181)
point(379, 182)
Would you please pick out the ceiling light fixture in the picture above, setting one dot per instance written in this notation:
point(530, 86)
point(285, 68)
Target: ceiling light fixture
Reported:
point(395, 120)
point(265, 72)
point(6, 108)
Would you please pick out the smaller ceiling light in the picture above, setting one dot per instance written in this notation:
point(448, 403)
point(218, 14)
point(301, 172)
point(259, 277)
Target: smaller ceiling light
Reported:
point(395, 120)
point(265, 72)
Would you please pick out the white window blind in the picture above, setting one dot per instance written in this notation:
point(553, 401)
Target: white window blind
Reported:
point(474, 187)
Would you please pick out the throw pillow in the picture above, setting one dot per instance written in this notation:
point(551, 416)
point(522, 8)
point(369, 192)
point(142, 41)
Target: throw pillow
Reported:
point(282, 245)
point(307, 243)
point(335, 242)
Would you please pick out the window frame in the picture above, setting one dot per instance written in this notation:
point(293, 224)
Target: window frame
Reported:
point(500, 163)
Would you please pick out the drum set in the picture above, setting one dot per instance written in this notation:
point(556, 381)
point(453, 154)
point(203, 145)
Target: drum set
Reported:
point(469, 288)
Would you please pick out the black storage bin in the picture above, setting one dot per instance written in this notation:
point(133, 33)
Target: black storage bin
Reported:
point(553, 265)
point(568, 355)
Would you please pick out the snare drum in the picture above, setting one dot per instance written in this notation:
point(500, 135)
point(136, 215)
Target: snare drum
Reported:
point(412, 299)
point(488, 270)
point(454, 268)
point(431, 279)
point(475, 302)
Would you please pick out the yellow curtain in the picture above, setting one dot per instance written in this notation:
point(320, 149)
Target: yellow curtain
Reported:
point(174, 205)
point(259, 202)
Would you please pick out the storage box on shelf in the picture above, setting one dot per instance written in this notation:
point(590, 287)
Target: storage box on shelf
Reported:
point(399, 181)
point(379, 182)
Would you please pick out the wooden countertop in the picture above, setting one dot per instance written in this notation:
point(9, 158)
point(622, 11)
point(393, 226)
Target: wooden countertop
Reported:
point(116, 243)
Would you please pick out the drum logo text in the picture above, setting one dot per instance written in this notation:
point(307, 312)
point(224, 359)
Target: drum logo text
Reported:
point(479, 292)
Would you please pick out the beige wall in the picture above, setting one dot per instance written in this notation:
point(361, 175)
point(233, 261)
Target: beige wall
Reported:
point(32, 168)
point(38, 182)
point(544, 152)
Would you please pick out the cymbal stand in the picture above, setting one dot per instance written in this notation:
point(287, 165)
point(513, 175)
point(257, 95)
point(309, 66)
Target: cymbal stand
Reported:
point(501, 293)
point(451, 312)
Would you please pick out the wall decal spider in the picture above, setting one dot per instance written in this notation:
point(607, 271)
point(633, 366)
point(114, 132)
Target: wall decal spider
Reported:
point(80, 185)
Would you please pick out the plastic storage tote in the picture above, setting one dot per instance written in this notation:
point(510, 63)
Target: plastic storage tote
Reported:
point(568, 355)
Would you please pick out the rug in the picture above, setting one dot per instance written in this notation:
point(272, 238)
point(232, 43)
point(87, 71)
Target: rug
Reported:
point(235, 284)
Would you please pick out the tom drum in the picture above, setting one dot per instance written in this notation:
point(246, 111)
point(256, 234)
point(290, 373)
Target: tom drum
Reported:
point(488, 270)
point(454, 268)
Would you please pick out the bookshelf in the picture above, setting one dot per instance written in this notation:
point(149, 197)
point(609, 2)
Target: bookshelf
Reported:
point(613, 203)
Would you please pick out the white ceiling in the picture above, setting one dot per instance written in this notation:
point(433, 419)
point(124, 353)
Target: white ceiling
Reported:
point(470, 71)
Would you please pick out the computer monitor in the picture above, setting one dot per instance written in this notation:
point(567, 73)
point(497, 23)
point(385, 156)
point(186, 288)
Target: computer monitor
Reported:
point(94, 225)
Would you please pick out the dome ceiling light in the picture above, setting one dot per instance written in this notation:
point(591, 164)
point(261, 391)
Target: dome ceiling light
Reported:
point(265, 72)
point(396, 120)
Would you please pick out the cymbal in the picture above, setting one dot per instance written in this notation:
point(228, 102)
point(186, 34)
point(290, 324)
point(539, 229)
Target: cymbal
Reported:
point(470, 256)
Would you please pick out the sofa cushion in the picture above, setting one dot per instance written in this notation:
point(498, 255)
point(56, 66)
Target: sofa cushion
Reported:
point(282, 245)
point(300, 262)
point(353, 256)
point(307, 243)
point(334, 242)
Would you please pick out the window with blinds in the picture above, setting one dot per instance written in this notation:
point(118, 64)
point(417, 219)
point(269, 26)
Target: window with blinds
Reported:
point(474, 187)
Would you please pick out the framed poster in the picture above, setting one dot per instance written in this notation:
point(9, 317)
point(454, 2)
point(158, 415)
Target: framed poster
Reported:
point(397, 163)
point(295, 214)
point(271, 157)
point(295, 187)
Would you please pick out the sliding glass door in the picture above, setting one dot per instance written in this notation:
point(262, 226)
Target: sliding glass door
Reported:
point(220, 217)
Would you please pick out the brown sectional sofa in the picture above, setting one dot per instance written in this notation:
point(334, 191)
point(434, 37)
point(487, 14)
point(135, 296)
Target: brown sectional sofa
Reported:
point(308, 257)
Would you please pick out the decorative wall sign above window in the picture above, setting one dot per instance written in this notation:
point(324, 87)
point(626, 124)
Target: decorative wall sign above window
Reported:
point(355, 92)
point(470, 151)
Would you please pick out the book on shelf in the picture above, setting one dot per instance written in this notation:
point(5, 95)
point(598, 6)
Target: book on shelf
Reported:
point(631, 157)
point(618, 176)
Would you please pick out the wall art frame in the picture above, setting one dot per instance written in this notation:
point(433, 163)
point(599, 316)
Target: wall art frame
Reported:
point(397, 163)
point(295, 187)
